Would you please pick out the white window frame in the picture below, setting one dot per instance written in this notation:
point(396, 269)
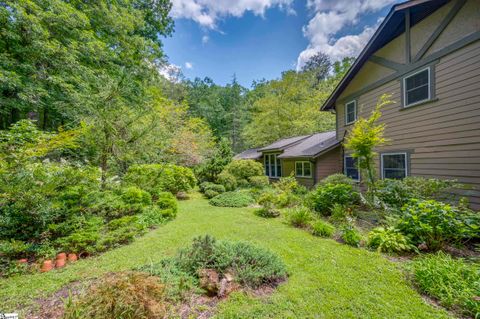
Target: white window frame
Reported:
point(405, 154)
point(346, 112)
point(272, 172)
point(345, 167)
point(303, 169)
point(429, 87)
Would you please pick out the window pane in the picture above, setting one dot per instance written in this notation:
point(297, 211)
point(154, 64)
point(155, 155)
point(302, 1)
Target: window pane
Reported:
point(267, 165)
point(394, 166)
point(350, 110)
point(351, 169)
point(352, 173)
point(417, 87)
point(298, 168)
point(307, 169)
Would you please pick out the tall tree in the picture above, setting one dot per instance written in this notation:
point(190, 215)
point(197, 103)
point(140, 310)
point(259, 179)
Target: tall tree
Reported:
point(318, 66)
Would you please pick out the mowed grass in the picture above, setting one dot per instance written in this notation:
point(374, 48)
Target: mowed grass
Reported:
point(327, 279)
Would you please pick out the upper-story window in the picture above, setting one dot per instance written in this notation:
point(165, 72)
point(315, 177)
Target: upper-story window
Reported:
point(273, 166)
point(350, 112)
point(416, 87)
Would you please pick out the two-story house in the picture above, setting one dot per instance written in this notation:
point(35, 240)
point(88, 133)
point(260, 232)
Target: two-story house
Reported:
point(426, 54)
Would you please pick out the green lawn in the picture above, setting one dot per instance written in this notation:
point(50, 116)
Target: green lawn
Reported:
point(327, 279)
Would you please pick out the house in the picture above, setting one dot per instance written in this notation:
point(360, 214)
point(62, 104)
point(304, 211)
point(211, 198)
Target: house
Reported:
point(309, 157)
point(426, 54)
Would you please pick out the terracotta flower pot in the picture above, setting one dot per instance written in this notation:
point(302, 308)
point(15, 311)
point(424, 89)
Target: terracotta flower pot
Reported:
point(22, 261)
point(72, 257)
point(61, 256)
point(47, 265)
point(59, 263)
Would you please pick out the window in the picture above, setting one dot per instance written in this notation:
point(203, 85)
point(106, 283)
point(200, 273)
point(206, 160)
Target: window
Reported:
point(303, 169)
point(350, 112)
point(273, 167)
point(394, 165)
point(351, 168)
point(416, 87)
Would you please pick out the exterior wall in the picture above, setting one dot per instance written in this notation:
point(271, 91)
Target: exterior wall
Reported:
point(328, 164)
point(442, 136)
point(288, 167)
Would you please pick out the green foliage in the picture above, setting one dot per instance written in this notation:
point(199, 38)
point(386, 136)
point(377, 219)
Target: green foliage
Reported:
point(322, 228)
point(436, 223)
point(338, 178)
point(396, 193)
point(244, 169)
point(341, 213)
point(453, 282)
point(14, 249)
point(251, 266)
point(299, 217)
point(209, 170)
point(259, 181)
point(156, 178)
point(285, 193)
point(232, 199)
point(84, 239)
point(290, 184)
point(388, 240)
point(135, 195)
point(324, 197)
point(267, 212)
point(350, 235)
point(125, 295)
point(168, 203)
point(227, 180)
point(365, 136)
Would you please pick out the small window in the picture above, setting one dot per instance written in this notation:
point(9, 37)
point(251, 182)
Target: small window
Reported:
point(417, 87)
point(394, 165)
point(350, 112)
point(351, 168)
point(273, 166)
point(303, 169)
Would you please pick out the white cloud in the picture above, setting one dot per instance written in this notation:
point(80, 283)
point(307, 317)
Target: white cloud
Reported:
point(207, 12)
point(205, 39)
point(331, 17)
point(171, 72)
point(188, 65)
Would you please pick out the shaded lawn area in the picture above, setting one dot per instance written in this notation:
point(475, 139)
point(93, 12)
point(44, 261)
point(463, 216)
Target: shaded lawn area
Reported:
point(327, 279)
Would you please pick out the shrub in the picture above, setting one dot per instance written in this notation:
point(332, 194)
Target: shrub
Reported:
point(14, 249)
point(126, 295)
point(267, 212)
point(211, 190)
point(388, 240)
point(299, 217)
point(227, 180)
point(350, 235)
point(434, 223)
point(290, 184)
point(259, 181)
point(232, 199)
point(154, 216)
point(341, 213)
point(167, 202)
point(84, 239)
point(110, 205)
point(322, 229)
point(336, 179)
point(324, 197)
point(251, 266)
point(156, 178)
point(455, 283)
point(211, 194)
point(135, 195)
point(244, 169)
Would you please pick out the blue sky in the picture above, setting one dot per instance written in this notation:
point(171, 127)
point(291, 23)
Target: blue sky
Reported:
point(256, 39)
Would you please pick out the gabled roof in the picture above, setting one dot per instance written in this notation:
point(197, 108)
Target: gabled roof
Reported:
point(252, 154)
point(390, 28)
point(312, 146)
point(283, 143)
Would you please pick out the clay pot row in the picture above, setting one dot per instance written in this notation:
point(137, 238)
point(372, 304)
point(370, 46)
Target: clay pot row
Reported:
point(59, 262)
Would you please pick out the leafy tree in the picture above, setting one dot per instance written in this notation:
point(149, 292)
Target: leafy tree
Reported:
point(365, 136)
point(319, 66)
point(54, 54)
point(211, 168)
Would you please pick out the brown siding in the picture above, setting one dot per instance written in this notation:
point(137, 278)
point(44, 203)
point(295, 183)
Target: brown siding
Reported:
point(443, 136)
point(328, 164)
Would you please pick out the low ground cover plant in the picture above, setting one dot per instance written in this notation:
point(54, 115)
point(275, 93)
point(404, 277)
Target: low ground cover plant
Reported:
point(299, 216)
point(322, 228)
point(233, 199)
point(350, 235)
point(389, 240)
point(455, 283)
